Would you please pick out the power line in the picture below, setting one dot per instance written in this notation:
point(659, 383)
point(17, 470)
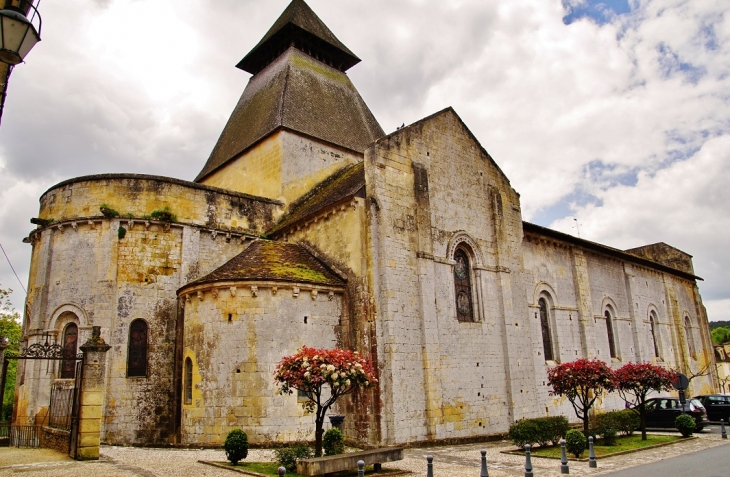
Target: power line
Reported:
point(13, 269)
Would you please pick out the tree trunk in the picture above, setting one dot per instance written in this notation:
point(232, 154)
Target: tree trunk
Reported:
point(318, 433)
point(585, 426)
point(642, 418)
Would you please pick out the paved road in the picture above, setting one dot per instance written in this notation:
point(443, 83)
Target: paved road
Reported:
point(713, 462)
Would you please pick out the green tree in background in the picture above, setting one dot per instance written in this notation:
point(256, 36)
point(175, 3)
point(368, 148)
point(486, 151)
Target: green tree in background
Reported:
point(9, 328)
point(721, 335)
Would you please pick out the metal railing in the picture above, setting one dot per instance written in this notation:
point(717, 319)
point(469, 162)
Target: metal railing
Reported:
point(60, 409)
point(19, 436)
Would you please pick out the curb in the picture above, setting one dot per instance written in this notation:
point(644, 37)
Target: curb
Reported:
point(614, 454)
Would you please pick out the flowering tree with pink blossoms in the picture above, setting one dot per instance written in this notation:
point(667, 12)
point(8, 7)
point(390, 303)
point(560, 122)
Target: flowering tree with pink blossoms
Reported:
point(582, 381)
point(310, 369)
point(636, 380)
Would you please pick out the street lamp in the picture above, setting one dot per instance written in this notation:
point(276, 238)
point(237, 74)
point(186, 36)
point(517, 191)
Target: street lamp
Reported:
point(18, 35)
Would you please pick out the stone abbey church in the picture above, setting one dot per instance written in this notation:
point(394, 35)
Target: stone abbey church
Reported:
point(308, 225)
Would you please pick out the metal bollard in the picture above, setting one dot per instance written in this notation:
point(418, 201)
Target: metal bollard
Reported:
point(281, 470)
point(485, 472)
point(429, 472)
point(724, 432)
point(528, 462)
point(591, 454)
point(564, 469)
point(360, 468)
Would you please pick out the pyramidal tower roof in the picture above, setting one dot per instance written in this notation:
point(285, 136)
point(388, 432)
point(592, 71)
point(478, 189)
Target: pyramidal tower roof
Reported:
point(300, 27)
point(299, 85)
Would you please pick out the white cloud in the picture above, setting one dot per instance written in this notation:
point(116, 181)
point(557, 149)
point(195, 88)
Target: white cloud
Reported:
point(633, 112)
point(718, 310)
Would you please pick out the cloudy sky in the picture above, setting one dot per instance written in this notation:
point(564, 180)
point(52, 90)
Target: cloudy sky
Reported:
point(614, 113)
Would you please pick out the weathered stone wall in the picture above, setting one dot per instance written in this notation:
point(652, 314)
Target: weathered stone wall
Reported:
point(235, 334)
point(339, 236)
point(283, 166)
point(432, 188)
point(55, 439)
point(566, 273)
point(83, 270)
point(138, 196)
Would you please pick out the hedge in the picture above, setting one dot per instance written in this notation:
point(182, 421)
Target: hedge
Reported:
point(541, 430)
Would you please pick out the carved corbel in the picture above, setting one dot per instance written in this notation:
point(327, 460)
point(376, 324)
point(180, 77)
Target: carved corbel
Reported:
point(254, 290)
point(233, 291)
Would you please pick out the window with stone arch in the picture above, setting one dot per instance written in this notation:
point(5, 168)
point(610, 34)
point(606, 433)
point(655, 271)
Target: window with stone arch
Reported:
point(462, 283)
point(690, 336)
point(70, 347)
point(137, 351)
point(652, 326)
point(188, 381)
point(609, 333)
point(547, 337)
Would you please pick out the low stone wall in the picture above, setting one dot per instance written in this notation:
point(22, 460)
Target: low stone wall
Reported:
point(55, 439)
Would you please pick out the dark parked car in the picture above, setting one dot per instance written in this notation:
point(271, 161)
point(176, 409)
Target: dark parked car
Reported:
point(661, 412)
point(717, 406)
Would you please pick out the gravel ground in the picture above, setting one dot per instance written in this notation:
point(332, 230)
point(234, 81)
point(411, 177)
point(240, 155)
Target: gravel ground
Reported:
point(449, 461)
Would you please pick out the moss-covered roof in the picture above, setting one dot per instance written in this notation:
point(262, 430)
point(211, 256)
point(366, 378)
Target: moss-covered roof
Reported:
point(265, 260)
point(344, 183)
point(300, 94)
point(299, 26)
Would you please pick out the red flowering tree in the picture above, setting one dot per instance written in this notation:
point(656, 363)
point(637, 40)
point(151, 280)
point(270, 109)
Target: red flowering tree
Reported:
point(323, 375)
point(582, 381)
point(636, 380)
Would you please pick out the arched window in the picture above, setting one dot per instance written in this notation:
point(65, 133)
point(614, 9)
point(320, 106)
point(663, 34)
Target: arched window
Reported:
point(609, 332)
point(188, 381)
point(462, 282)
point(652, 324)
point(70, 342)
point(690, 338)
point(547, 340)
point(137, 353)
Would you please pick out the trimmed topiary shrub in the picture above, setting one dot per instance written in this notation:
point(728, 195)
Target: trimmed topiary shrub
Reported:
point(625, 422)
point(333, 442)
point(288, 456)
point(524, 431)
point(236, 446)
point(554, 428)
point(608, 436)
point(575, 442)
point(685, 424)
point(541, 430)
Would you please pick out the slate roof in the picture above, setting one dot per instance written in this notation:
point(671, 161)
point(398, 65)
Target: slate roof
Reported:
point(343, 184)
point(300, 94)
point(298, 25)
point(273, 261)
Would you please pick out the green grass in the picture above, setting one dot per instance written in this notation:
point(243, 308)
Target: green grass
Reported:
point(622, 444)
